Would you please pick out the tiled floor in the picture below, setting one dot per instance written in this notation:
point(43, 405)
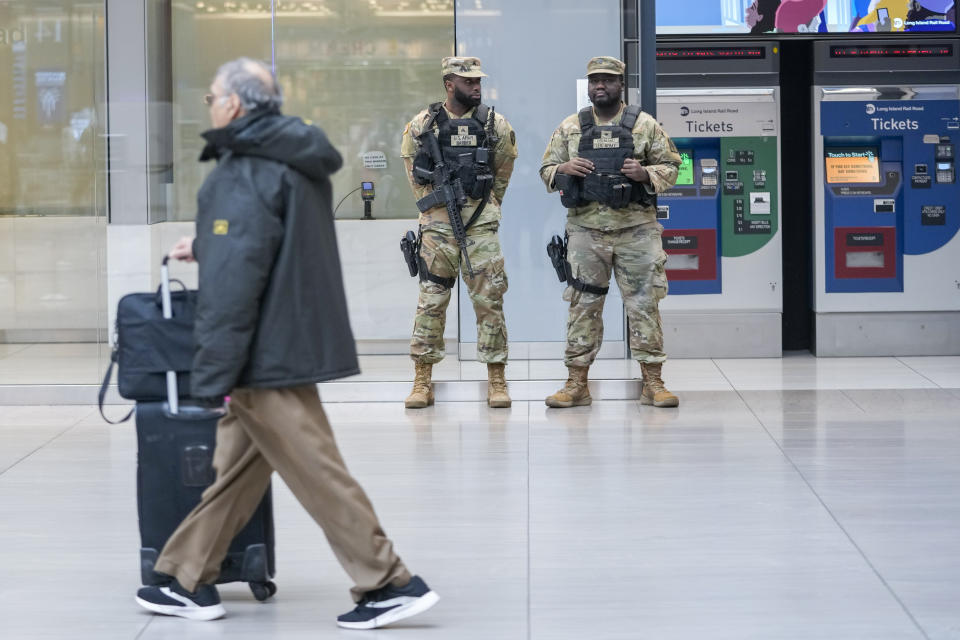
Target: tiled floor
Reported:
point(794, 498)
point(83, 364)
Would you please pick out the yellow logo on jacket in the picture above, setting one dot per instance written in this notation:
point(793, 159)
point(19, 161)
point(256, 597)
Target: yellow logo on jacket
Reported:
point(220, 227)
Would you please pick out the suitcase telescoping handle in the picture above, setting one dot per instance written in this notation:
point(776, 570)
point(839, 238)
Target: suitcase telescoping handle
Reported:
point(187, 411)
point(173, 394)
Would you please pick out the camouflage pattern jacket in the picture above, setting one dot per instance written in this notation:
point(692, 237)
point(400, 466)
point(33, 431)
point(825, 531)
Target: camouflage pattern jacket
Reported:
point(504, 155)
point(652, 147)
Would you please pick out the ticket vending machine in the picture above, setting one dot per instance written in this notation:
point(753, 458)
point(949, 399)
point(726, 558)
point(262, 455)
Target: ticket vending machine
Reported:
point(887, 129)
point(719, 102)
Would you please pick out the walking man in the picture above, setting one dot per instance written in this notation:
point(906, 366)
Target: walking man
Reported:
point(271, 322)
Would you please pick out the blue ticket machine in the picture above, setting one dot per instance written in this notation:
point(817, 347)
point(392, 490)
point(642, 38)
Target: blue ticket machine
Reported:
point(719, 102)
point(887, 119)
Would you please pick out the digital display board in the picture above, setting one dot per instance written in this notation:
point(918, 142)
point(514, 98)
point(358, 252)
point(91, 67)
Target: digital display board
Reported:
point(685, 174)
point(759, 17)
point(711, 53)
point(887, 51)
point(852, 166)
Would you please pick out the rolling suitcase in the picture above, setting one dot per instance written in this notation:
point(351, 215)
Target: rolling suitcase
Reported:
point(175, 446)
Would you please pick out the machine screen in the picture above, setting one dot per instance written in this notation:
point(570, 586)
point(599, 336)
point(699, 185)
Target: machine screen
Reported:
point(815, 17)
point(685, 175)
point(857, 166)
point(366, 190)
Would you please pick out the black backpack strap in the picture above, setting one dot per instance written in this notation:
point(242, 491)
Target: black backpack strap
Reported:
point(102, 394)
point(630, 115)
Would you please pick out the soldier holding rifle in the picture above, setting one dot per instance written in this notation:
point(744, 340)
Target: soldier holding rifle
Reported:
point(459, 156)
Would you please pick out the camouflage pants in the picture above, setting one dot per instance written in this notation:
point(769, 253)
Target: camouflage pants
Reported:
point(636, 258)
point(441, 254)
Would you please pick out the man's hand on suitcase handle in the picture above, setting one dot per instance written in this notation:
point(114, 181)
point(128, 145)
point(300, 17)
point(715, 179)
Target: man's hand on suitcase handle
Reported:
point(183, 249)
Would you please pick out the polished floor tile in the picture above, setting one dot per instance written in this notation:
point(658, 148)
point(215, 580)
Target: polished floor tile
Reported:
point(942, 370)
point(51, 365)
point(807, 372)
point(746, 513)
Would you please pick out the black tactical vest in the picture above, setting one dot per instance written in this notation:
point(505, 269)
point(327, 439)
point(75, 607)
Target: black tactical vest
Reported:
point(464, 145)
point(607, 147)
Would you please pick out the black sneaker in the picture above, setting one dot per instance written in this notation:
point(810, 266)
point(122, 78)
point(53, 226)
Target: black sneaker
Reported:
point(173, 600)
point(389, 604)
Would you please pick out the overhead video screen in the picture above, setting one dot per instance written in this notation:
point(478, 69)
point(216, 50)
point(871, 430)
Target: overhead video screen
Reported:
point(685, 175)
point(760, 17)
point(852, 166)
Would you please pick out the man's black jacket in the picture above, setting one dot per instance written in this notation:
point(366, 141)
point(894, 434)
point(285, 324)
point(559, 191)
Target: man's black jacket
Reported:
point(271, 310)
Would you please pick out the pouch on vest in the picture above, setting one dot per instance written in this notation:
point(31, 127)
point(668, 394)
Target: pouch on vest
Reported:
point(569, 187)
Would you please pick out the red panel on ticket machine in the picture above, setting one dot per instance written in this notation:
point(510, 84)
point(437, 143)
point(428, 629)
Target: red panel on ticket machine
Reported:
point(865, 252)
point(693, 254)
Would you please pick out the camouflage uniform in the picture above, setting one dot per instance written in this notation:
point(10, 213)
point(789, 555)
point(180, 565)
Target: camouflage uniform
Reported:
point(442, 254)
point(625, 241)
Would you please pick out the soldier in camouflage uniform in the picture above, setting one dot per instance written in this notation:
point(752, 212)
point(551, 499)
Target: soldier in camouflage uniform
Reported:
point(438, 247)
point(623, 237)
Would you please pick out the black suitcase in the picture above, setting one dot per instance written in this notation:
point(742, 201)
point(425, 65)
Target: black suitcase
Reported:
point(174, 466)
point(175, 446)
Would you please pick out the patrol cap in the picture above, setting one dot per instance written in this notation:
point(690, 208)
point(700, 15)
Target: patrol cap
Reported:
point(605, 64)
point(465, 67)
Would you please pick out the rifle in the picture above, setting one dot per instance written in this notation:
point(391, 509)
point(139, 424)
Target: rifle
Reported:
point(447, 190)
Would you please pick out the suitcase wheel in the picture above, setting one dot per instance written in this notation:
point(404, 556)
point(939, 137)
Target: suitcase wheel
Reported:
point(263, 590)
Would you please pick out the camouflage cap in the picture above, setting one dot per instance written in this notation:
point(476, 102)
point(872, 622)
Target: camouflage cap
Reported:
point(605, 64)
point(466, 67)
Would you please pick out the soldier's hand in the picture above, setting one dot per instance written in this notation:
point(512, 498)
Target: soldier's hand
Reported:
point(635, 171)
point(579, 167)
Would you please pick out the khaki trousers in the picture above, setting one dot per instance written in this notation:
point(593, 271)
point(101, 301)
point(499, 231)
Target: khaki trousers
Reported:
point(284, 430)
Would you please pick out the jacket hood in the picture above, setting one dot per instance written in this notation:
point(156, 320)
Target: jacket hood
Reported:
point(269, 134)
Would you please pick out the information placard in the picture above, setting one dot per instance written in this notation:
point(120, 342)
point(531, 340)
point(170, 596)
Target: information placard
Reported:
point(852, 166)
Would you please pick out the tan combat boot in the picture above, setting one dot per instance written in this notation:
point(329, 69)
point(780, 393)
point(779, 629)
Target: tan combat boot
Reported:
point(497, 396)
point(653, 391)
point(422, 394)
point(575, 393)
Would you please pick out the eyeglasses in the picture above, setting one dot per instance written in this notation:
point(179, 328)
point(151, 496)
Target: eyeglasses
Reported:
point(209, 99)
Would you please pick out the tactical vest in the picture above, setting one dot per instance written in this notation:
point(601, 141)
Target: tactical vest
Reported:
point(464, 145)
point(606, 147)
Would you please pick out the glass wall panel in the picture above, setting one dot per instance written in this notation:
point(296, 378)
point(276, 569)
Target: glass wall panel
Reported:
point(52, 191)
point(201, 36)
point(361, 71)
point(535, 100)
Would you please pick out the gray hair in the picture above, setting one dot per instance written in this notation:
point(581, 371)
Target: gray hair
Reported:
point(253, 82)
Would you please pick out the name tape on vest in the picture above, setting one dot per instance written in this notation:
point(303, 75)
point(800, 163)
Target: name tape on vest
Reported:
point(463, 138)
point(606, 141)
